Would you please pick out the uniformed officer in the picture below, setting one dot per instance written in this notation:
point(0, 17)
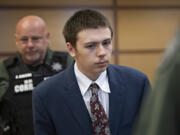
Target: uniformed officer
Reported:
point(161, 111)
point(33, 63)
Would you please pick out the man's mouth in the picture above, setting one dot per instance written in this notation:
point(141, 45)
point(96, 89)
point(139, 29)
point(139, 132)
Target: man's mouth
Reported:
point(31, 52)
point(102, 63)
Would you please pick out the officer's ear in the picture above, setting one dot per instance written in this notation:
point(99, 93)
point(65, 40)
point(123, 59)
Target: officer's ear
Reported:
point(47, 37)
point(71, 49)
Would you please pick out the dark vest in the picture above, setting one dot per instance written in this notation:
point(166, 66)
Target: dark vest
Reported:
point(17, 101)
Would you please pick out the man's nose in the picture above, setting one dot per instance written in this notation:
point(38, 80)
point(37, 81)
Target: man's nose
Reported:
point(101, 50)
point(30, 42)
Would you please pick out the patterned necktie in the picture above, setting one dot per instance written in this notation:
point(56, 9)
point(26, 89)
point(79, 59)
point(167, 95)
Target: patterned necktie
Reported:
point(99, 119)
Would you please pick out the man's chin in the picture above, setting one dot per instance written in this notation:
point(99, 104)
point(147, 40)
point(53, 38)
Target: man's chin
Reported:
point(102, 69)
point(33, 60)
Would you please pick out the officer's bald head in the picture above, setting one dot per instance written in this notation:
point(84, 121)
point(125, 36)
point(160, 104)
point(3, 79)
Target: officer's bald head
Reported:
point(32, 39)
point(30, 22)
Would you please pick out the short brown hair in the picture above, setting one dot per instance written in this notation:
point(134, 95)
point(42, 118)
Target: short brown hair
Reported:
point(81, 20)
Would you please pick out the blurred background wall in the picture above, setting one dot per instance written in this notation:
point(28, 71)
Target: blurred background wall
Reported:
point(143, 28)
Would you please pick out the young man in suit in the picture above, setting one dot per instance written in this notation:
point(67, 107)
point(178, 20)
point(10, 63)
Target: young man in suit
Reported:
point(92, 97)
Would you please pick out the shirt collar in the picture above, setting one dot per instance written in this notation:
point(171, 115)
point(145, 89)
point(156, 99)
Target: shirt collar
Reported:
point(84, 82)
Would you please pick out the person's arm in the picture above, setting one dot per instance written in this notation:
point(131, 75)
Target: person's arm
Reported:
point(4, 84)
point(42, 122)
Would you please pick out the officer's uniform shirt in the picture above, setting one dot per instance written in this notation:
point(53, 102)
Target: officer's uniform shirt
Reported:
point(23, 78)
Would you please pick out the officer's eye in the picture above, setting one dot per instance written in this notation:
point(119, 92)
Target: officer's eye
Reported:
point(36, 39)
point(33, 39)
point(24, 40)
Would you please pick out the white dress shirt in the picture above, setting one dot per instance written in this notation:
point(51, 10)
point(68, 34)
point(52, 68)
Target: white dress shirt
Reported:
point(84, 82)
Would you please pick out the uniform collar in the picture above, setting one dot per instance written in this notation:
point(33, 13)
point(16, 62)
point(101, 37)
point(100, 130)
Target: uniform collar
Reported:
point(48, 57)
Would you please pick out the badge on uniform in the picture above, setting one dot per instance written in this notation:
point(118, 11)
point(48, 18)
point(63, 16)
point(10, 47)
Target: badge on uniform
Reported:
point(56, 66)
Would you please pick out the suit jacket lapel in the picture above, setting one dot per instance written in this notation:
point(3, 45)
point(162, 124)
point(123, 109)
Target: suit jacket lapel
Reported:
point(115, 100)
point(76, 102)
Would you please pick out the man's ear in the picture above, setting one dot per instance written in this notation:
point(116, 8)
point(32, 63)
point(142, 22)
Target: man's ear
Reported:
point(47, 35)
point(47, 38)
point(71, 49)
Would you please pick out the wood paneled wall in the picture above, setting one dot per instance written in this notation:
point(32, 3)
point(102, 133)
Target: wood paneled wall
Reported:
point(142, 28)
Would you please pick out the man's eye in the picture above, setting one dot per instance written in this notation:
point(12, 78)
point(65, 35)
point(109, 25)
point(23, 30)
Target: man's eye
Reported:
point(33, 39)
point(106, 42)
point(91, 46)
point(36, 38)
point(24, 39)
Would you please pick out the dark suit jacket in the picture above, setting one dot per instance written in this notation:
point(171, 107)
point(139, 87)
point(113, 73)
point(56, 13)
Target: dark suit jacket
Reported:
point(59, 108)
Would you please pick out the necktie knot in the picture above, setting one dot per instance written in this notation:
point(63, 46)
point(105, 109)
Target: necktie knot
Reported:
point(94, 89)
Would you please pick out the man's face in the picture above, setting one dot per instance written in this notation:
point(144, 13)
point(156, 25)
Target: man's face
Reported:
point(93, 51)
point(32, 42)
